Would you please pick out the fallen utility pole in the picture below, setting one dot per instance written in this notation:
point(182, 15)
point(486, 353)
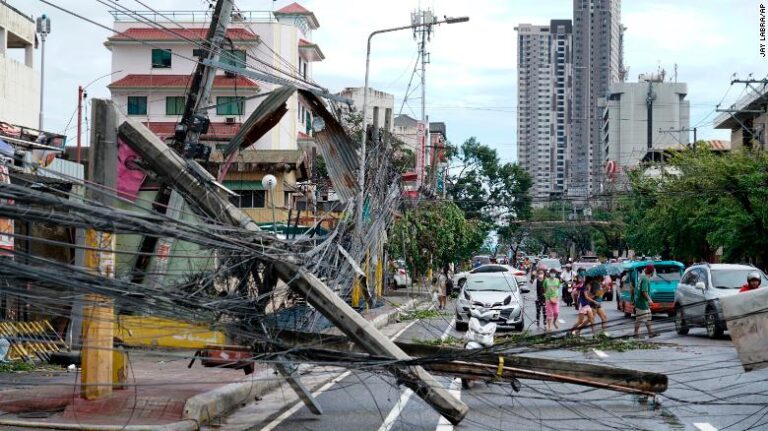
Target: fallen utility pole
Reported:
point(454, 362)
point(167, 163)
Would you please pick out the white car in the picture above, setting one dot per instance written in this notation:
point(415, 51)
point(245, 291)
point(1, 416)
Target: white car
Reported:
point(697, 298)
point(495, 294)
point(519, 274)
point(400, 277)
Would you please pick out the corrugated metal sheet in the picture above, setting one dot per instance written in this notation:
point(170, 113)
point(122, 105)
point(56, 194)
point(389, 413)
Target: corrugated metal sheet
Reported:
point(339, 151)
point(262, 120)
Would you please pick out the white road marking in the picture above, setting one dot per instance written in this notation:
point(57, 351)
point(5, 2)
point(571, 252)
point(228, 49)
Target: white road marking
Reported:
point(448, 329)
point(455, 390)
point(600, 353)
point(704, 426)
point(389, 422)
point(560, 321)
point(294, 408)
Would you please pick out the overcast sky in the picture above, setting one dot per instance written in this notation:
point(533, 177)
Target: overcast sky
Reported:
point(471, 81)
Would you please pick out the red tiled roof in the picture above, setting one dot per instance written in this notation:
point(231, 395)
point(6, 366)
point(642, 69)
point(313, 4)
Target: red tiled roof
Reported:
point(297, 9)
point(294, 8)
point(221, 130)
point(179, 34)
point(303, 135)
point(180, 81)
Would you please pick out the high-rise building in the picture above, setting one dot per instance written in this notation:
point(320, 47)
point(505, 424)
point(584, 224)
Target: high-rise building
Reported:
point(544, 105)
point(533, 106)
point(637, 118)
point(596, 51)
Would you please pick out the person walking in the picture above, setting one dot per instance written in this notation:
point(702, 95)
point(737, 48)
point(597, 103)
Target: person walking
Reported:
point(442, 287)
point(643, 301)
point(552, 300)
point(597, 292)
point(540, 306)
point(583, 301)
point(567, 276)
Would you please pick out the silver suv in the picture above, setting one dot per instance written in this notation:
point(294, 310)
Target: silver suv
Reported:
point(697, 298)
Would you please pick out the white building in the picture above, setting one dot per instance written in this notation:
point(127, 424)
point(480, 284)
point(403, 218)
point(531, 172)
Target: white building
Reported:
point(597, 37)
point(638, 117)
point(19, 83)
point(406, 129)
point(380, 106)
point(153, 67)
point(544, 105)
point(152, 70)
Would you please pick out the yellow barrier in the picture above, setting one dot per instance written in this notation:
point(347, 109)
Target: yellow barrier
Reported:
point(158, 332)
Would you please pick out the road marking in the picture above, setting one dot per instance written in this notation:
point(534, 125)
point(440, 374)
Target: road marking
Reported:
point(560, 321)
point(455, 390)
point(296, 407)
point(600, 353)
point(448, 329)
point(389, 422)
point(704, 426)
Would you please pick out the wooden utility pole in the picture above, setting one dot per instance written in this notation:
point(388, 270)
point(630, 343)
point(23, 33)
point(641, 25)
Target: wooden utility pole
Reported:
point(98, 310)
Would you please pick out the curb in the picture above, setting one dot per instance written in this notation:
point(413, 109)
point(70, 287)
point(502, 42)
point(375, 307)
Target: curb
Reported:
point(185, 425)
point(379, 322)
point(204, 407)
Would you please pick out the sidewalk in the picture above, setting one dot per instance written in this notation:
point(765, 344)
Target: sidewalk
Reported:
point(161, 393)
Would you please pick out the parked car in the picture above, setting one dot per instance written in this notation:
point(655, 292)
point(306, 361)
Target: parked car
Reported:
point(400, 277)
point(667, 274)
point(497, 292)
point(697, 299)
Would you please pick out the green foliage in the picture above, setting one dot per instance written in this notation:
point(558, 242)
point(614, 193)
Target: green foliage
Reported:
point(486, 189)
point(15, 366)
point(700, 202)
point(424, 315)
point(436, 232)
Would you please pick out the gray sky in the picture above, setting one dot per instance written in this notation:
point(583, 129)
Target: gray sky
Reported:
point(471, 81)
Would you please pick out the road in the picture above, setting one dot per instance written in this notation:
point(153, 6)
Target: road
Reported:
point(708, 390)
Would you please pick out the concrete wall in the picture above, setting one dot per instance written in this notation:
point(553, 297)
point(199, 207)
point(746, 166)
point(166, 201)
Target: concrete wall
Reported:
point(19, 83)
point(381, 106)
point(624, 128)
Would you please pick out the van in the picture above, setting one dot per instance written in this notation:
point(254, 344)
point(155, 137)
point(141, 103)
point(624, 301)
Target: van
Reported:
point(664, 280)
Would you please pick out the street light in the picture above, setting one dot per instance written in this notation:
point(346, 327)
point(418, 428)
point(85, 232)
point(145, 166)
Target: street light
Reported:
point(361, 172)
point(44, 28)
point(269, 182)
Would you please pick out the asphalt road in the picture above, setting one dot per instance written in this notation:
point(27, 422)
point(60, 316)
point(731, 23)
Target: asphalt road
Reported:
point(708, 390)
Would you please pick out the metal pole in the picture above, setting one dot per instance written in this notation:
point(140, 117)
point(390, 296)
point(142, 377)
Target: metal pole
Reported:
point(79, 119)
point(42, 78)
point(363, 140)
point(274, 219)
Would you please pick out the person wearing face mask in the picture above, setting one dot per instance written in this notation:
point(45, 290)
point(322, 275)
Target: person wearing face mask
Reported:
point(540, 300)
point(551, 297)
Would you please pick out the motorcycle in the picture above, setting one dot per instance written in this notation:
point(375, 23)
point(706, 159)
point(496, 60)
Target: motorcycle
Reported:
point(480, 334)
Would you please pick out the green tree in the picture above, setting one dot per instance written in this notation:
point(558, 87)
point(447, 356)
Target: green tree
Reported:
point(702, 201)
point(436, 232)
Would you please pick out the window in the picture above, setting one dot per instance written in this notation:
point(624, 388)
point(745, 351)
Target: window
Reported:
point(249, 198)
point(137, 105)
point(161, 58)
point(174, 105)
point(230, 105)
point(235, 57)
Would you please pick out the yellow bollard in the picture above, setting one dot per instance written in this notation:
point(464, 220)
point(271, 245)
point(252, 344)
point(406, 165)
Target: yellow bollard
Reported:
point(379, 275)
point(356, 293)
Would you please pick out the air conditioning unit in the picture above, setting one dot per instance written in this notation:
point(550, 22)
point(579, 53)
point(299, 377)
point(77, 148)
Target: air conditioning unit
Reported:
point(229, 120)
